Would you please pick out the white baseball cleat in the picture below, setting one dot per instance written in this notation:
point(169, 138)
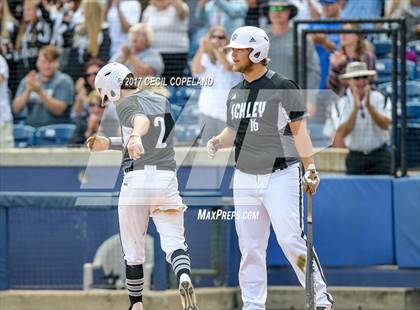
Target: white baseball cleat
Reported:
point(186, 290)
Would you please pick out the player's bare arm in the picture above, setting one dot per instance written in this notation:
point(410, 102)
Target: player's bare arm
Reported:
point(304, 147)
point(302, 141)
point(141, 127)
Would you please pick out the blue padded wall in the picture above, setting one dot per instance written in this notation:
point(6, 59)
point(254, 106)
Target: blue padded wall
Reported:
point(353, 223)
point(407, 221)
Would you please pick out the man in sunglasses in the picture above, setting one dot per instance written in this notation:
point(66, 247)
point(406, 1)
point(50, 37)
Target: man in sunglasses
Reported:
point(364, 122)
point(281, 35)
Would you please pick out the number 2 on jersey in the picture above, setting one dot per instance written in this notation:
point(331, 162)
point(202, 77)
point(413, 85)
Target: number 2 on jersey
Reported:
point(159, 121)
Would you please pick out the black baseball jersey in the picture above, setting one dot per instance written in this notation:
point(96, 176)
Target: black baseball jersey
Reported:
point(158, 142)
point(260, 113)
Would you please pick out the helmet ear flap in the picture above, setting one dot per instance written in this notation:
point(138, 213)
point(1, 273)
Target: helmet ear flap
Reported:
point(254, 56)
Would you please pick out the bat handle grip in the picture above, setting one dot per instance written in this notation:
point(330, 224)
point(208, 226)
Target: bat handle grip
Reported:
point(309, 216)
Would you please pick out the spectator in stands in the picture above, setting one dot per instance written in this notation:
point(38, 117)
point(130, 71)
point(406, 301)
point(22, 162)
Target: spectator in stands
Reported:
point(229, 14)
point(411, 14)
point(211, 60)
point(121, 15)
point(362, 9)
point(326, 44)
point(281, 34)
point(257, 14)
point(34, 33)
point(8, 32)
point(394, 8)
point(8, 27)
point(307, 9)
point(86, 127)
point(169, 22)
point(91, 39)
point(6, 119)
point(353, 47)
point(364, 122)
point(62, 15)
point(85, 104)
point(139, 56)
point(85, 86)
point(47, 95)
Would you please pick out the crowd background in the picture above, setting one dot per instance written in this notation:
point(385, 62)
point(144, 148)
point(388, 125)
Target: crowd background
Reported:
point(50, 52)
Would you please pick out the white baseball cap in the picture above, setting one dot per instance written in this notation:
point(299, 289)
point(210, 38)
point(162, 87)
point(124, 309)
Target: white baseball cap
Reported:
point(109, 79)
point(251, 37)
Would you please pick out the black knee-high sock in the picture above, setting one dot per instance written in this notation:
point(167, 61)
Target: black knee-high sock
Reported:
point(134, 281)
point(181, 263)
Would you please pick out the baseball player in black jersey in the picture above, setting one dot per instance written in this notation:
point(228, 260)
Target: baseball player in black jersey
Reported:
point(266, 123)
point(150, 186)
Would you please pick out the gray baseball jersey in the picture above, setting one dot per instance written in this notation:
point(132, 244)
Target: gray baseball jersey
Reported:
point(260, 113)
point(158, 142)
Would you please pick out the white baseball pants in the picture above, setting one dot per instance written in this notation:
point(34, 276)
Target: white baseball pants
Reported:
point(279, 200)
point(150, 193)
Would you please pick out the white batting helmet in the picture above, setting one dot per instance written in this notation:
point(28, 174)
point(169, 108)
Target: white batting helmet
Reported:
point(251, 37)
point(109, 79)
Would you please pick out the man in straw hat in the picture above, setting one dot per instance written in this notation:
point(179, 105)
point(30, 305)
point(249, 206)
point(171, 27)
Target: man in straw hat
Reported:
point(364, 122)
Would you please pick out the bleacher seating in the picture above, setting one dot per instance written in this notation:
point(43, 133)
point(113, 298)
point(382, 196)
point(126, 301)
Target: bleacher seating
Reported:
point(413, 89)
point(54, 135)
point(384, 70)
point(23, 135)
point(382, 48)
point(413, 111)
point(414, 46)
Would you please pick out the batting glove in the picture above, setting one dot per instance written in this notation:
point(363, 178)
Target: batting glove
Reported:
point(311, 179)
point(213, 145)
point(135, 147)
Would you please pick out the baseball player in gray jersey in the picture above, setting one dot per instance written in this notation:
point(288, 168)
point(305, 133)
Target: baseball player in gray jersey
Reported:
point(266, 123)
point(150, 186)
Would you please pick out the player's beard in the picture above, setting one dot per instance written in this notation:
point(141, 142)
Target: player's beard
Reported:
point(242, 68)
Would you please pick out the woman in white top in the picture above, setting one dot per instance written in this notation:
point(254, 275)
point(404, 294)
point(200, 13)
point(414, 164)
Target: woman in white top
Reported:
point(6, 119)
point(169, 21)
point(212, 60)
point(121, 15)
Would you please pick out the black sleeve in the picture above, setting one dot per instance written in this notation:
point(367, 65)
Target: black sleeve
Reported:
point(292, 100)
point(128, 109)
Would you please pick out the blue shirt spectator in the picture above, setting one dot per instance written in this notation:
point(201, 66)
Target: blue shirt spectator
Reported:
point(362, 9)
point(48, 95)
point(325, 44)
point(229, 14)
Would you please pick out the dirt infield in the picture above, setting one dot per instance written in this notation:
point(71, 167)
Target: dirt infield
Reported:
point(279, 298)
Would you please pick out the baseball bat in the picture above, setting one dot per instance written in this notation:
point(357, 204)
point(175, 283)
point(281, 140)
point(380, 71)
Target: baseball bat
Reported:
point(309, 276)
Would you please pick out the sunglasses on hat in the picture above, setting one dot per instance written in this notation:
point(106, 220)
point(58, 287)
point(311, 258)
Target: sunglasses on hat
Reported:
point(278, 8)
